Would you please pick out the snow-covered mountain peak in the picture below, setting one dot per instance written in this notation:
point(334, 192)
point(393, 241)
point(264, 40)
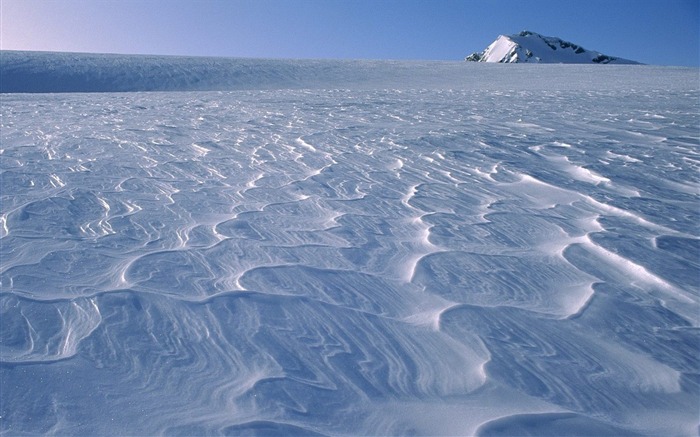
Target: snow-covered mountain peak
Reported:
point(528, 46)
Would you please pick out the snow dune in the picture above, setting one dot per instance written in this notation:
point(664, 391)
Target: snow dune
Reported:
point(354, 256)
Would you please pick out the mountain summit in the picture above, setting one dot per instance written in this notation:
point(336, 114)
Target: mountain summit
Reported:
point(529, 46)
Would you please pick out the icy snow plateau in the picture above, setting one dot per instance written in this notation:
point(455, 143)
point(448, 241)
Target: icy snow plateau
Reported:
point(348, 248)
point(532, 47)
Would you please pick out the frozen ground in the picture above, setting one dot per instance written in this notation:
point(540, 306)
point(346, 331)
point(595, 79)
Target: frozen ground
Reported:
point(383, 259)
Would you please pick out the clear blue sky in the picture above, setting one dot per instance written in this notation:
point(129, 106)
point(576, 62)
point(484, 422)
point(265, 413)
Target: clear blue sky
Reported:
point(662, 32)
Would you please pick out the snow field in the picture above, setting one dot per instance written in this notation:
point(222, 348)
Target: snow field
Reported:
point(350, 262)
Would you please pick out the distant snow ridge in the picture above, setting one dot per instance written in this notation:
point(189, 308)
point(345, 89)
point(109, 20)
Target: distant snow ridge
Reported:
point(57, 72)
point(532, 47)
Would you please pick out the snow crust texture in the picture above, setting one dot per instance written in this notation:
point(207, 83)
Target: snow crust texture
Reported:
point(429, 261)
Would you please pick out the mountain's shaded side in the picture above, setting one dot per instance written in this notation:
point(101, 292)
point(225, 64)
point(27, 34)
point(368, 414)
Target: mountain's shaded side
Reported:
point(532, 47)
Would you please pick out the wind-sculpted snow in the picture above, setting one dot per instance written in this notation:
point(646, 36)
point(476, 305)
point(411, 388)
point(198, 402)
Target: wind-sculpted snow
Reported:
point(343, 262)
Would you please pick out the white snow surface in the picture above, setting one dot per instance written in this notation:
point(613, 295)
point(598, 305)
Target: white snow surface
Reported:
point(531, 47)
point(382, 257)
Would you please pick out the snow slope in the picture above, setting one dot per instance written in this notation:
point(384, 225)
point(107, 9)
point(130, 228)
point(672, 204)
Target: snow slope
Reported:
point(532, 47)
point(85, 72)
point(450, 259)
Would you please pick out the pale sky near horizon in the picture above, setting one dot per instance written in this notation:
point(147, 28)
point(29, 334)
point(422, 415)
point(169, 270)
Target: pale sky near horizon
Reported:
point(664, 32)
